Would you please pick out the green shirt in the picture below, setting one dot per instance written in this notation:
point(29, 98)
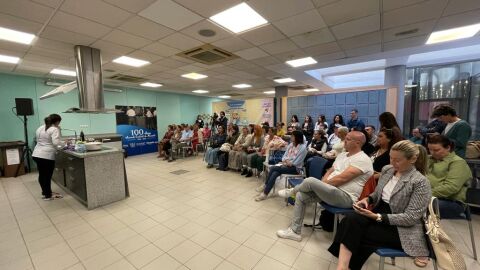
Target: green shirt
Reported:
point(459, 134)
point(449, 177)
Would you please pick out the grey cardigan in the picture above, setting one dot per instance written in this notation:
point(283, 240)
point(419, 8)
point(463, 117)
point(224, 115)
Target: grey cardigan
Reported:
point(408, 202)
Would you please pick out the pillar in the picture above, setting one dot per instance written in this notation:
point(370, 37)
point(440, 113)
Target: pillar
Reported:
point(280, 92)
point(395, 78)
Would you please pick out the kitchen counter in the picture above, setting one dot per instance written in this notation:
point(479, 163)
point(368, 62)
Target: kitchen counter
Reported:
point(94, 178)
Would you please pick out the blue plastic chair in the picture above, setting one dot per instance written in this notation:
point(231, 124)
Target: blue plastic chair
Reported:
point(336, 211)
point(394, 253)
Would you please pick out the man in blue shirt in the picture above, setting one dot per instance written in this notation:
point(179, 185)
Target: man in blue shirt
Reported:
point(354, 123)
point(185, 140)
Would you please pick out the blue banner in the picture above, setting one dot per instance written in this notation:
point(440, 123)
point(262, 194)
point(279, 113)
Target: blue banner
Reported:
point(137, 140)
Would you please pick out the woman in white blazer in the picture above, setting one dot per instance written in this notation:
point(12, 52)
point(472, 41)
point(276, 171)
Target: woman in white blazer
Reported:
point(48, 138)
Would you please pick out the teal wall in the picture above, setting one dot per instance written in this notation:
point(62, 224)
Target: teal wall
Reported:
point(171, 108)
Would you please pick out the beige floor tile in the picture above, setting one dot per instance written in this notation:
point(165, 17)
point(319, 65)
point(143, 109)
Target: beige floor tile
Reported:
point(83, 239)
point(267, 263)
point(164, 262)
point(120, 236)
point(223, 247)
point(190, 229)
point(144, 225)
point(204, 260)
point(78, 266)
point(205, 238)
point(155, 232)
point(259, 243)
point(91, 249)
point(307, 261)
point(244, 257)
point(131, 244)
point(122, 264)
point(226, 265)
point(40, 244)
point(20, 263)
point(144, 255)
point(176, 222)
point(102, 259)
point(185, 251)
point(62, 261)
point(239, 234)
point(169, 241)
point(222, 226)
point(283, 253)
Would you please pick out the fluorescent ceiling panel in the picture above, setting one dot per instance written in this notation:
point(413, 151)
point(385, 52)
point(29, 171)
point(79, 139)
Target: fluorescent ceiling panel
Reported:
point(311, 90)
point(242, 85)
point(445, 56)
point(63, 72)
point(345, 69)
point(453, 34)
point(150, 84)
point(225, 96)
point(9, 59)
point(269, 92)
point(200, 91)
point(239, 18)
point(130, 61)
point(358, 79)
point(194, 76)
point(301, 62)
point(284, 80)
point(16, 36)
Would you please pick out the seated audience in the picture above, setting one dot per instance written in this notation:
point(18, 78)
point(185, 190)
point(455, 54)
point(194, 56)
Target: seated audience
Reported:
point(387, 120)
point(417, 137)
point(321, 123)
point(457, 130)
point(292, 162)
point(337, 122)
point(215, 142)
point(355, 123)
point(223, 153)
point(307, 128)
point(280, 130)
point(256, 143)
point(206, 132)
point(338, 147)
point(399, 203)
point(371, 134)
point(318, 145)
point(185, 139)
point(340, 186)
point(367, 148)
point(199, 122)
point(166, 137)
point(195, 138)
point(238, 149)
point(381, 157)
point(294, 122)
point(167, 147)
point(449, 176)
point(333, 138)
point(260, 156)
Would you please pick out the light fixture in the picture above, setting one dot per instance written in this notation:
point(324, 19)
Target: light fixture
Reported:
point(9, 59)
point(200, 91)
point(16, 36)
point(301, 62)
point(129, 61)
point(194, 76)
point(224, 96)
point(269, 92)
point(242, 85)
point(454, 34)
point(311, 90)
point(63, 72)
point(150, 84)
point(239, 18)
point(284, 80)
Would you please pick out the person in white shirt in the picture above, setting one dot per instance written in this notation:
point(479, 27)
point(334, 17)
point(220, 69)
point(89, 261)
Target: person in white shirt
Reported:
point(131, 115)
point(340, 186)
point(48, 139)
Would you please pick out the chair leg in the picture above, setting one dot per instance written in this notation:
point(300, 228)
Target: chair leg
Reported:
point(472, 238)
point(393, 260)
point(314, 216)
point(435, 267)
point(381, 265)
point(335, 224)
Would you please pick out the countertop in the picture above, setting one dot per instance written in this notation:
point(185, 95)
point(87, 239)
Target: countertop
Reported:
point(104, 151)
point(95, 136)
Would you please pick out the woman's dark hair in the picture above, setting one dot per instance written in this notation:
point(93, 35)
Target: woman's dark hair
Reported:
point(281, 124)
point(392, 135)
point(387, 120)
point(444, 141)
point(340, 119)
point(251, 128)
point(235, 129)
point(51, 120)
point(443, 109)
point(322, 118)
point(322, 133)
point(309, 119)
point(295, 117)
point(298, 137)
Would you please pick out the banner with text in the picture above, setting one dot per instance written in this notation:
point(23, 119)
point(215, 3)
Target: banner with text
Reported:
point(244, 112)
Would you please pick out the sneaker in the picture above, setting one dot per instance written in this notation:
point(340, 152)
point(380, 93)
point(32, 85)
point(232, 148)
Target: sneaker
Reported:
point(260, 188)
point(249, 174)
point(285, 193)
point(244, 171)
point(209, 166)
point(289, 234)
point(261, 197)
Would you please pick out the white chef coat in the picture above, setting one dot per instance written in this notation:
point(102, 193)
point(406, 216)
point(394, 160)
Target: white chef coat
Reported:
point(47, 142)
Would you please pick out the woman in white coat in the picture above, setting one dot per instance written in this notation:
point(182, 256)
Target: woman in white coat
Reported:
point(48, 138)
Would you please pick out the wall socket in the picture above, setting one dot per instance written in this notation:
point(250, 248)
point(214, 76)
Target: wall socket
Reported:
point(83, 126)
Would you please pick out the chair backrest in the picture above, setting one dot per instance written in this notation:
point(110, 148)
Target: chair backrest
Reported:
point(369, 187)
point(316, 167)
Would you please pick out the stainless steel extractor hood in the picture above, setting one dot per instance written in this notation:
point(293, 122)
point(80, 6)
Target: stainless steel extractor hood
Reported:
point(88, 64)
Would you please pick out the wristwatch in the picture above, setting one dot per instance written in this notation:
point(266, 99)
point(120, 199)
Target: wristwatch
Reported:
point(379, 218)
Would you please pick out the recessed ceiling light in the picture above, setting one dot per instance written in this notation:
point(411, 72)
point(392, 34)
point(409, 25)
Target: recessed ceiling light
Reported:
point(311, 90)
point(9, 59)
point(149, 84)
point(284, 80)
point(63, 72)
point(454, 33)
point(269, 92)
point(200, 91)
point(16, 36)
point(242, 85)
point(301, 62)
point(129, 61)
point(224, 96)
point(239, 18)
point(194, 76)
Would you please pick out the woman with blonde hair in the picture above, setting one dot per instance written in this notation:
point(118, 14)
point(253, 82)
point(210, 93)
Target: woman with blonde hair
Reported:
point(399, 202)
point(255, 145)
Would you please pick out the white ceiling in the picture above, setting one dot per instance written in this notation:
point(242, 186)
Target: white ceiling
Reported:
point(332, 31)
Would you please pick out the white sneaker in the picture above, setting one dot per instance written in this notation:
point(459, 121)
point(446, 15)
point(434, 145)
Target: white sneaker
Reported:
point(285, 193)
point(289, 234)
point(261, 197)
point(260, 188)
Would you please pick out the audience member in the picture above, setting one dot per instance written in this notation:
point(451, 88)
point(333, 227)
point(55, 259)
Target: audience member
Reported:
point(355, 123)
point(340, 186)
point(166, 137)
point(222, 120)
point(280, 130)
point(206, 133)
point(318, 145)
point(370, 129)
point(307, 128)
point(417, 137)
point(255, 145)
point(367, 148)
point(238, 149)
point(215, 142)
point(294, 122)
point(338, 147)
point(177, 134)
point(381, 157)
point(321, 120)
point(333, 138)
point(387, 120)
point(337, 122)
point(259, 158)
point(199, 121)
point(185, 139)
point(223, 153)
point(196, 136)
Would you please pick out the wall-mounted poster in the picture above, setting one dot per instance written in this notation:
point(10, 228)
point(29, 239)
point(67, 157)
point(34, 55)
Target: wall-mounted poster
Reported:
point(244, 112)
point(138, 126)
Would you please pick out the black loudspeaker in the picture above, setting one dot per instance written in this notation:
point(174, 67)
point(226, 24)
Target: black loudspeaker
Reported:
point(24, 106)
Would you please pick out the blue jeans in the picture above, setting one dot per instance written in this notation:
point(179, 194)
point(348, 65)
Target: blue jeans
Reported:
point(276, 171)
point(451, 209)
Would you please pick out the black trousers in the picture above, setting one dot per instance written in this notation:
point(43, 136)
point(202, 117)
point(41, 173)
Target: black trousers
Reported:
point(362, 236)
point(45, 171)
point(222, 159)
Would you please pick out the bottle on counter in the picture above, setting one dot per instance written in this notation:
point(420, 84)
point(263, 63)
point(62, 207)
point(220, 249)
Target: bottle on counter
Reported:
point(82, 136)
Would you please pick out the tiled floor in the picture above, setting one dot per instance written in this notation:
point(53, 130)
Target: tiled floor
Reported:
point(203, 219)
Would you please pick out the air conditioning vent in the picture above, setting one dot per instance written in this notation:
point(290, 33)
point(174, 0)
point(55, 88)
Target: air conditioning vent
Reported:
point(208, 54)
point(127, 78)
point(408, 32)
point(233, 94)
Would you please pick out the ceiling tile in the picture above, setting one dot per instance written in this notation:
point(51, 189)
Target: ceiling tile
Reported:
point(19, 24)
point(79, 25)
point(43, 59)
point(50, 3)
point(458, 20)
point(145, 28)
point(160, 49)
point(26, 9)
point(347, 10)
point(427, 10)
point(180, 41)
point(364, 50)
point(405, 43)
point(301, 23)
point(394, 4)
point(326, 48)
point(170, 63)
point(150, 57)
point(313, 38)
point(132, 6)
point(54, 33)
point(241, 64)
point(262, 35)
point(232, 44)
point(18, 48)
point(96, 10)
point(11, 51)
point(357, 27)
point(281, 8)
point(126, 39)
point(51, 53)
point(244, 75)
point(320, 3)
point(266, 61)
point(54, 45)
point(170, 14)
point(191, 68)
point(112, 48)
point(252, 53)
point(6, 67)
point(422, 28)
point(279, 46)
point(330, 56)
point(207, 8)
point(459, 6)
point(192, 31)
point(286, 56)
point(117, 67)
point(361, 41)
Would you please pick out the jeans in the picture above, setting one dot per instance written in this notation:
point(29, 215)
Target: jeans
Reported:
point(276, 171)
point(45, 171)
point(451, 209)
point(211, 156)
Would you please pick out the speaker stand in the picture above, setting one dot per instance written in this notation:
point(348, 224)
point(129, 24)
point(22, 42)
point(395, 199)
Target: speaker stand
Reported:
point(27, 152)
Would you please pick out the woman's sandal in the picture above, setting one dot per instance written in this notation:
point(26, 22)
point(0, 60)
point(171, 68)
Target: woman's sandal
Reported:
point(421, 261)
